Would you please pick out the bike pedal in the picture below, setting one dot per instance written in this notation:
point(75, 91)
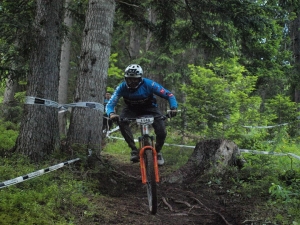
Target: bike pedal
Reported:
point(135, 161)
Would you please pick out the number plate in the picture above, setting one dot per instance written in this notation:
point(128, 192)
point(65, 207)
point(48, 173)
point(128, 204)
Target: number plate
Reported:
point(145, 120)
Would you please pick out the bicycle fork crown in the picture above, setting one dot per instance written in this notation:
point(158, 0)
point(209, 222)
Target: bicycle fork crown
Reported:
point(145, 129)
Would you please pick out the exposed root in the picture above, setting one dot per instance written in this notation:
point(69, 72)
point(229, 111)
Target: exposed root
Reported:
point(183, 202)
point(197, 200)
point(167, 204)
point(137, 213)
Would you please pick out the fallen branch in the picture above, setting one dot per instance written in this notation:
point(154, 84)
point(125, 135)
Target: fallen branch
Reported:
point(128, 175)
point(167, 204)
point(179, 214)
point(183, 202)
point(138, 213)
point(253, 221)
point(198, 214)
point(197, 200)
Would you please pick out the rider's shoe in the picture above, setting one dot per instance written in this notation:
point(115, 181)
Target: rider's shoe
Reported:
point(160, 159)
point(134, 157)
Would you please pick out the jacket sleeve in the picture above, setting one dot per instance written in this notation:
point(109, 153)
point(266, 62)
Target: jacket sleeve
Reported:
point(113, 101)
point(164, 93)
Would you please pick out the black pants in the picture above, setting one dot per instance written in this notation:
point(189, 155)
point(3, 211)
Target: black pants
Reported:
point(107, 123)
point(158, 126)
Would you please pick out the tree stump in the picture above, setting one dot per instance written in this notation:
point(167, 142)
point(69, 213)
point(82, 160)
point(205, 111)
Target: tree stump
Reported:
point(215, 154)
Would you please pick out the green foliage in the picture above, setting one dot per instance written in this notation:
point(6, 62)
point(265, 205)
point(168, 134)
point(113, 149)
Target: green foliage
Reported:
point(283, 110)
point(262, 179)
point(114, 71)
point(15, 25)
point(219, 100)
point(115, 74)
point(9, 133)
point(43, 199)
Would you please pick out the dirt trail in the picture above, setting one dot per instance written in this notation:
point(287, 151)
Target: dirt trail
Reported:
point(193, 202)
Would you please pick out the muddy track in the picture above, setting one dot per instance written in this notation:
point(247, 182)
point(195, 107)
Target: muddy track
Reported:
point(193, 202)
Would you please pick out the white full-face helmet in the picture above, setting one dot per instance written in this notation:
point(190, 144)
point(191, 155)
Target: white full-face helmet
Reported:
point(133, 76)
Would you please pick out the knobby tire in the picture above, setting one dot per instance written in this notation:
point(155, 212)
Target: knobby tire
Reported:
point(151, 183)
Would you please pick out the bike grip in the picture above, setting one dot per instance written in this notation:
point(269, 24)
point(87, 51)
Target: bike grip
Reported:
point(169, 110)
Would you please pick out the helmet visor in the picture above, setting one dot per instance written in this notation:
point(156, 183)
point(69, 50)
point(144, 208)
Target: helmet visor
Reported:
point(132, 82)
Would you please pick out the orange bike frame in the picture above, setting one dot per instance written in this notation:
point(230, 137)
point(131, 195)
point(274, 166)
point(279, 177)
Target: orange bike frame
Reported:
point(143, 166)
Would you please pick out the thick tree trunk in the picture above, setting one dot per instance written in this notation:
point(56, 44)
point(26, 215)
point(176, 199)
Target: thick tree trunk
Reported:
point(208, 155)
point(86, 124)
point(39, 134)
point(64, 74)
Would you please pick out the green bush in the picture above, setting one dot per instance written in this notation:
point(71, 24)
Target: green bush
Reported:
point(9, 134)
point(44, 199)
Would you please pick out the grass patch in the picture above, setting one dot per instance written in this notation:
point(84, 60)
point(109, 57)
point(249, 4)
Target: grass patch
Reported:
point(45, 199)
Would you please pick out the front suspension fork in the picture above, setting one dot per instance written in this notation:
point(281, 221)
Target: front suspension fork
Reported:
point(143, 164)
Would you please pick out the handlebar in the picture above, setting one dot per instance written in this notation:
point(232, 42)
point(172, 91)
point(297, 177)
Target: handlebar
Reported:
point(163, 117)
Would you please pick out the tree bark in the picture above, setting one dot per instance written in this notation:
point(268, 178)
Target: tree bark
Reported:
point(39, 134)
point(64, 73)
point(295, 39)
point(86, 124)
point(134, 42)
point(10, 90)
point(209, 155)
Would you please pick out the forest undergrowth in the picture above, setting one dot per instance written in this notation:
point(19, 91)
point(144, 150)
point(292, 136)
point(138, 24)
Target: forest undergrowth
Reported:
point(264, 191)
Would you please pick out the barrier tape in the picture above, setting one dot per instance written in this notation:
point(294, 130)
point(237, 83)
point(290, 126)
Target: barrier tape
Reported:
point(111, 131)
point(60, 165)
point(262, 152)
point(266, 127)
point(241, 150)
point(269, 153)
point(35, 174)
point(63, 107)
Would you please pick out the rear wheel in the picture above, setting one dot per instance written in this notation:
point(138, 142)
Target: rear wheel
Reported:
point(151, 183)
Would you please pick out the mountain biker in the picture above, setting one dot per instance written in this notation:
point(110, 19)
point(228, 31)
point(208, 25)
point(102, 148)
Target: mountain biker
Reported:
point(139, 96)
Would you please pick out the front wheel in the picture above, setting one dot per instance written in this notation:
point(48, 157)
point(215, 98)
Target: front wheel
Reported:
point(150, 183)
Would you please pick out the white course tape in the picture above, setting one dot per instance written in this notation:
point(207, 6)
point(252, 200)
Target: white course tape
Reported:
point(35, 174)
point(92, 105)
point(269, 153)
point(264, 127)
point(63, 107)
point(261, 152)
point(40, 101)
point(293, 155)
point(185, 146)
point(111, 131)
point(241, 150)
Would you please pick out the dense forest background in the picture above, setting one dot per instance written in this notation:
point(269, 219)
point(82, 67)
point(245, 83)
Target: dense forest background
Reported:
point(233, 66)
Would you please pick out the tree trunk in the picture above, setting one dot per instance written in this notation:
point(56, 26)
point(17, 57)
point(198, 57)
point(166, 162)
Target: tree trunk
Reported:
point(9, 109)
point(39, 134)
point(151, 18)
point(64, 74)
point(86, 124)
point(209, 155)
point(134, 43)
point(10, 90)
point(295, 37)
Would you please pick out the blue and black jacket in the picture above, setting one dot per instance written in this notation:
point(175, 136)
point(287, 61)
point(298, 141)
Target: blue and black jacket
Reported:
point(142, 97)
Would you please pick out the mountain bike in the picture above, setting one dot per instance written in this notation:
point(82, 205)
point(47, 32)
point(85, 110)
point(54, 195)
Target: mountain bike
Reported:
point(148, 158)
